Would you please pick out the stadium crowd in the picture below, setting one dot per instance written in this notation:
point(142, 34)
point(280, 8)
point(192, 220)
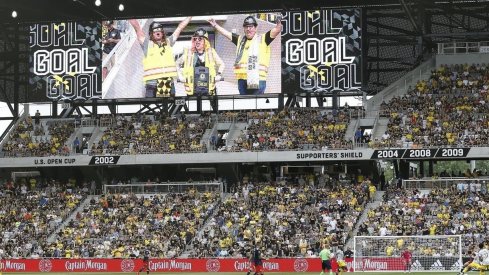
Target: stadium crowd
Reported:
point(30, 211)
point(284, 219)
point(457, 210)
point(293, 129)
point(424, 116)
point(291, 217)
point(240, 116)
point(29, 140)
point(124, 225)
point(140, 134)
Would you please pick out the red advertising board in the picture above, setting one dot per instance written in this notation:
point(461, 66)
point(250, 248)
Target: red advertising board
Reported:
point(178, 265)
point(379, 264)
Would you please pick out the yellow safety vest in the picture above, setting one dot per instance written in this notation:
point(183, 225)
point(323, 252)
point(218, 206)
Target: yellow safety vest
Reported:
point(241, 68)
point(188, 70)
point(158, 63)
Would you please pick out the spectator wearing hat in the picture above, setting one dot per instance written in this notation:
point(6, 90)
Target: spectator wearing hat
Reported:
point(252, 54)
point(159, 61)
point(111, 38)
point(200, 55)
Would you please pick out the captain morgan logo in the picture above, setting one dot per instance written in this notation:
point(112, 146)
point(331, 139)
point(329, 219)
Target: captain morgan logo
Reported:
point(127, 265)
point(45, 265)
point(301, 265)
point(213, 265)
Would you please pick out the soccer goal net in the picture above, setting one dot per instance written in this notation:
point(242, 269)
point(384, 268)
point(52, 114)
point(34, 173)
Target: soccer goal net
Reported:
point(407, 253)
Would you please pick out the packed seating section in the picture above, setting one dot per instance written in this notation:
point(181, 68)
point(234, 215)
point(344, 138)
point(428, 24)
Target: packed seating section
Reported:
point(448, 109)
point(30, 139)
point(124, 225)
point(295, 129)
point(31, 211)
point(139, 134)
point(284, 219)
point(441, 211)
point(289, 218)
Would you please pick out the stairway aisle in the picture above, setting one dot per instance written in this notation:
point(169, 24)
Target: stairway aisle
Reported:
point(80, 208)
point(371, 205)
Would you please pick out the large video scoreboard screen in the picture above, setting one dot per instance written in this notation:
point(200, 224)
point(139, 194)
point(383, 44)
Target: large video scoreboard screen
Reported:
point(239, 54)
point(65, 60)
point(321, 50)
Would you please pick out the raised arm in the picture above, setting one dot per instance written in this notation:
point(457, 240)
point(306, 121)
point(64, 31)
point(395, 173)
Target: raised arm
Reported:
point(180, 62)
point(139, 32)
point(220, 29)
point(219, 62)
point(180, 27)
point(111, 40)
point(277, 29)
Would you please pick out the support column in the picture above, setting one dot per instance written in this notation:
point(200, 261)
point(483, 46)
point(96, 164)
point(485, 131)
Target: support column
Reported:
point(421, 168)
point(404, 169)
point(54, 109)
point(334, 99)
point(16, 71)
point(472, 165)
point(280, 102)
point(214, 104)
point(165, 106)
point(94, 108)
point(199, 104)
point(319, 99)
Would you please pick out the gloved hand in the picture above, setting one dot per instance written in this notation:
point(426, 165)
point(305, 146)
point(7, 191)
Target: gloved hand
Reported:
point(218, 78)
point(181, 79)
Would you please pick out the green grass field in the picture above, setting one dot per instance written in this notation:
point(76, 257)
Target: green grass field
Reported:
point(241, 273)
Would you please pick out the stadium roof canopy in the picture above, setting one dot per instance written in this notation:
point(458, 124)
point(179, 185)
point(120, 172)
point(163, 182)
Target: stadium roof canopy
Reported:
point(61, 10)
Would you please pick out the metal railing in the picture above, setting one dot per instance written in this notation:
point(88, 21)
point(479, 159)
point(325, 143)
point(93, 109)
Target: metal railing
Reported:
point(170, 187)
point(213, 133)
point(463, 47)
point(122, 46)
point(374, 127)
point(150, 151)
point(89, 122)
point(58, 120)
point(304, 147)
point(401, 86)
point(412, 145)
point(462, 184)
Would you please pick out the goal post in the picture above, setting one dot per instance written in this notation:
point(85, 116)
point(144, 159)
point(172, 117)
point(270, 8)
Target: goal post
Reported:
point(437, 253)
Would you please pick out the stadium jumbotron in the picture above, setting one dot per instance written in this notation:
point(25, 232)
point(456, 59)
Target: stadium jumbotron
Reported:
point(274, 137)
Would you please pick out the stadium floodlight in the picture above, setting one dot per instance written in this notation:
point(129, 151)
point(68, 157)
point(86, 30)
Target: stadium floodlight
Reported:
point(442, 253)
point(98, 3)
